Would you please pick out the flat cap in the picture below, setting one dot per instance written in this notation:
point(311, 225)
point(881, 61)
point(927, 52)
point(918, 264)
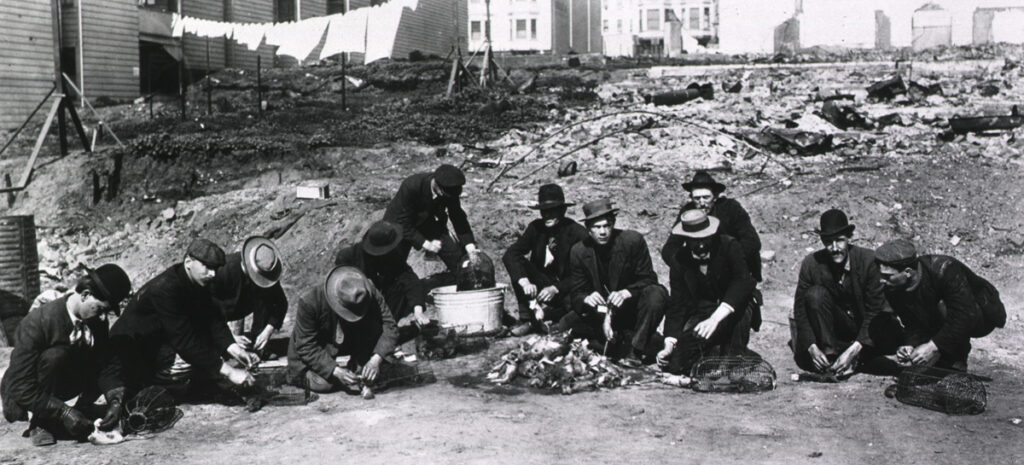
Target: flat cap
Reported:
point(897, 253)
point(448, 176)
point(206, 252)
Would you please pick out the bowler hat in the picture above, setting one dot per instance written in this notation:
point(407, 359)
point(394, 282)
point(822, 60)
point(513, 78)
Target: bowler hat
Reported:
point(208, 253)
point(449, 177)
point(381, 238)
point(696, 224)
point(597, 209)
point(261, 261)
point(897, 253)
point(348, 293)
point(703, 179)
point(112, 284)
point(834, 223)
point(550, 196)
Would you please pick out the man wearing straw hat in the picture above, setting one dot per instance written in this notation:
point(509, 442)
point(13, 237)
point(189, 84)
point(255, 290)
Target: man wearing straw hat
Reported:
point(711, 302)
point(616, 297)
point(249, 283)
point(538, 261)
point(62, 351)
point(346, 315)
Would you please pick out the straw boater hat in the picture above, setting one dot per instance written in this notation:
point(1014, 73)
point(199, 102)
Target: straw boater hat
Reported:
point(703, 179)
point(550, 196)
point(261, 261)
point(381, 238)
point(348, 293)
point(696, 224)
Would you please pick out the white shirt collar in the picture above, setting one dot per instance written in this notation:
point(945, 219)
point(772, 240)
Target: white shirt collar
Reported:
point(74, 318)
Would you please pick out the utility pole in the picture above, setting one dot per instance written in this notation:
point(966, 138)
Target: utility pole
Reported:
point(485, 70)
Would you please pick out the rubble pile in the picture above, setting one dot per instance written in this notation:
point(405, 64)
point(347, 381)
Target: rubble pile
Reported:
point(551, 362)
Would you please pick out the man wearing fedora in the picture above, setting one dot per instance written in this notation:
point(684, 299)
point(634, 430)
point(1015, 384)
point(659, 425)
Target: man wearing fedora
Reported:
point(379, 257)
point(538, 261)
point(172, 332)
point(345, 315)
point(838, 323)
point(249, 283)
point(615, 292)
point(62, 350)
point(706, 194)
point(941, 302)
point(711, 304)
point(423, 206)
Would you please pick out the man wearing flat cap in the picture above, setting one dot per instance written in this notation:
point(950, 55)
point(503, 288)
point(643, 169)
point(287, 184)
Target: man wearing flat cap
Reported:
point(345, 315)
point(424, 204)
point(538, 261)
point(62, 350)
point(711, 305)
point(615, 292)
point(172, 331)
point(941, 302)
point(249, 283)
point(838, 322)
point(380, 258)
point(706, 194)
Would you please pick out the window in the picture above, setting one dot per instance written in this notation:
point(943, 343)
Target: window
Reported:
point(653, 20)
point(533, 29)
point(521, 29)
point(707, 18)
point(694, 19)
point(604, 26)
point(474, 30)
point(284, 10)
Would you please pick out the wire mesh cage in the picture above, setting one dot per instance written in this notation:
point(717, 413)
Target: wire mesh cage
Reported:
point(732, 374)
point(406, 374)
point(152, 410)
point(947, 391)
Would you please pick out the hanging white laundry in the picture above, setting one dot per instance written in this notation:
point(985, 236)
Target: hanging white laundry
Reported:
point(380, 39)
point(250, 35)
point(177, 26)
point(346, 33)
point(300, 38)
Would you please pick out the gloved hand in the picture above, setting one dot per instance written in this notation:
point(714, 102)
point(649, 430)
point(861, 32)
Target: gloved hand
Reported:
point(115, 399)
point(75, 422)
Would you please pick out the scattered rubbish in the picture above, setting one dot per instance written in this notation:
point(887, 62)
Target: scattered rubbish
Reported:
point(568, 168)
point(987, 89)
point(964, 124)
point(802, 142)
point(815, 454)
point(694, 91)
point(732, 88)
point(767, 256)
point(843, 116)
point(955, 240)
point(313, 190)
point(1015, 421)
point(892, 119)
point(917, 91)
point(887, 89)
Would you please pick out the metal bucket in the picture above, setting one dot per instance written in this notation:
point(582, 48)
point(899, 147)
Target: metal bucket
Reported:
point(19, 270)
point(477, 311)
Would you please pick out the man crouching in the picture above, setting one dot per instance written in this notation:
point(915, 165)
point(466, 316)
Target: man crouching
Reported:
point(346, 315)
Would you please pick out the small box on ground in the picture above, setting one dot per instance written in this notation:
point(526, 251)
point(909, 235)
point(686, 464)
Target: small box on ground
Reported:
point(313, 190)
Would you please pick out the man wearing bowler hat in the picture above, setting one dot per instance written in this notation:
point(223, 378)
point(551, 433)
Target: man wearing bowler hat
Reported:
point(379, 257)
point(615, 292)
point(249, 283)
point(538, 261)
point(424, 204)
point(838, 323)
point(62, 351)
point(711, 304)
point(706, 194)
point(941, 303)
point(172, 332)
point(346, 315)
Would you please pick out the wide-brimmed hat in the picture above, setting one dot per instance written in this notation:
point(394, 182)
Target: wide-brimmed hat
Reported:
point(348, 292)
point(112, 285)
point(703, 179)
point(696, 224)
point(550, 196)
point(381, 238)
point(598, 208)
point(261, 261)
point(834, 223)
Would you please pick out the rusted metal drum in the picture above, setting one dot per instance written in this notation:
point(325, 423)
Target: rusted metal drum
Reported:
point(19, 270)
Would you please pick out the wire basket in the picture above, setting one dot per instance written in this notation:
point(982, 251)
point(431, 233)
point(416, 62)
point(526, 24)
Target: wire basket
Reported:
point(947, 391)
point(152, 410)
point(406, 374)
point(732, 374)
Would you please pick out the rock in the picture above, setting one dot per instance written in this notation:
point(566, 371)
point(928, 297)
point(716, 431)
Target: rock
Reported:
point(767, 256)
point(167, 214)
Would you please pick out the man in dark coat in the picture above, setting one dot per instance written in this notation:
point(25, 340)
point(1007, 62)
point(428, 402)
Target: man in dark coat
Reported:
point(346, 315)
point(62, 351)
point(839, 304)
point(380, 258)
point(712, 290)
point(424, 204)
point(941, 303)
point(172, 332)
point(538, 261)
point(249, 283)
point(615, 292)
point(706, 195)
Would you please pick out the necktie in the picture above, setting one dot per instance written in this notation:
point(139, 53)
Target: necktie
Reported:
point(81, 335)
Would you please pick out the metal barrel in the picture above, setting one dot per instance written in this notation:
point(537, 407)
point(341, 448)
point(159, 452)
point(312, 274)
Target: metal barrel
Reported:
point(480, 308)
point(19, 270)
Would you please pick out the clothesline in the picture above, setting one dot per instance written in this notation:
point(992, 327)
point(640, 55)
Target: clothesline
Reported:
point(345, 32)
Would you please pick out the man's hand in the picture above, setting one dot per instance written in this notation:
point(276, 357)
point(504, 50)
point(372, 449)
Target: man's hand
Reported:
point(529, 289)
point(432, 246)
point(372, 368)
point(115, 398)
point(903, 354)
point(473, 252)
point(243, 341)
point(617, 298)
point(75, 422)
point(818, 358)
point(263, 338)
point(707, 327)
point(547, 294)
point(345, 376)
point(847, 360)
point(925, 354)
point(237, 376)
point(594, 299)
point(421, 319)
point(247, 359)
point(609, 333)
point(664, 354)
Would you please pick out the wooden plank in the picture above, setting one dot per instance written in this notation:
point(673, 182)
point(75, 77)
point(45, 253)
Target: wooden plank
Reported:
point(25, 175)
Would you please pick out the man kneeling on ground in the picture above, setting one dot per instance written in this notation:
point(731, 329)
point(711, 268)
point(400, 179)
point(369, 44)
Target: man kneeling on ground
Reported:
point(346, 315)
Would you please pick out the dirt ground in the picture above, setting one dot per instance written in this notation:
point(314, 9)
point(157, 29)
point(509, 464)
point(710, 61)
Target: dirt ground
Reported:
point(962, 198)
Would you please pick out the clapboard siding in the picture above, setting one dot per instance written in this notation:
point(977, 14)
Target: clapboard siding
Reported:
point(431, 29)
point(253, 11)
point(195, 47)
point(313, 8)
point(26, 59)
point(110, 47)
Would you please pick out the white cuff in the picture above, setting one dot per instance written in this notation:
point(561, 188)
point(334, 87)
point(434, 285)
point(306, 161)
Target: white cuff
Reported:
point(671, 340)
